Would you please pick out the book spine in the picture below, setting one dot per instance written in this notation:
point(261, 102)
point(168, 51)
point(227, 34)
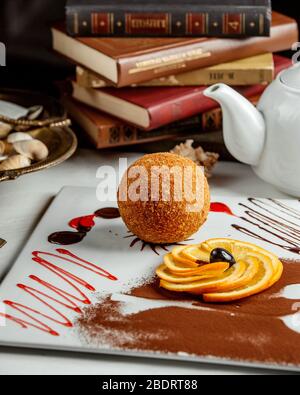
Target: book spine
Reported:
point(234, 77)
point(183, 21)
point(123, 135)
point(196, 55)
point(251, 76)
point(195, 103)
point(206, 77)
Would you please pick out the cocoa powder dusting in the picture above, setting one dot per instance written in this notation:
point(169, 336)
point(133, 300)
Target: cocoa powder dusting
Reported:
point(247, 330)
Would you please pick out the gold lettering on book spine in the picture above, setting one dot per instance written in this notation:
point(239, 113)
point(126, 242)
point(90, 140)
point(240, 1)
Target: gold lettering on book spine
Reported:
point(76, 23)
point(207, 23)
point(112, 23)
point(261, 24)
point(162, 62)
point(233, 23)
point(148, 23)
point(137, 23)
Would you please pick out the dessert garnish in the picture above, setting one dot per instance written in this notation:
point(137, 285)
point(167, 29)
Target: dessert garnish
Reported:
point(229, 270)
point(164, 198)
point(82, 225)
point(221, 255)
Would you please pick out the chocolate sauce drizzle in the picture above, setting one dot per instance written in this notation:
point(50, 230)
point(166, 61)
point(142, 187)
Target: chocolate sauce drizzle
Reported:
point(276, 221)
point(108, 213)
point(66, 238)
point(82, 226)
point(153, 247)
point(274, 218)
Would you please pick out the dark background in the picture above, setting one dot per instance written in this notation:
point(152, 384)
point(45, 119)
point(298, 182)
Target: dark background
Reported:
point(24, 28)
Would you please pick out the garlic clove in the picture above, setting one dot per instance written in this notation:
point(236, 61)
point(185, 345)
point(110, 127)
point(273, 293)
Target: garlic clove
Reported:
point(18, 136)
point(15, 162)
point(34, 149)
point(6, 148)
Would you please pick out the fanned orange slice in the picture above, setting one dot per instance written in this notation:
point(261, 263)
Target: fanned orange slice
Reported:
point(181, 270)
point(254, 271)
point(225, 243)
point(194, 253)
point(260, 282)
point(165, 274)
point(179, 257)
point(199, 287)
point(251, 268)
point(278, 273)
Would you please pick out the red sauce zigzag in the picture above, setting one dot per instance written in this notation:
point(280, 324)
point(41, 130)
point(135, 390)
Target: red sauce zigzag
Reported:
point(71, 301)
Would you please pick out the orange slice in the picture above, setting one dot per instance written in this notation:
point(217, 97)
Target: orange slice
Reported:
point(260, 282)
point(199, 287)
point(194, 253)
point(211, 244)
point(179, 257)
point(251, 269)
point(254, 271)
point(240, 248)
point(278, 273)
point(175, 266)
point(165, 274)
point(180, 270)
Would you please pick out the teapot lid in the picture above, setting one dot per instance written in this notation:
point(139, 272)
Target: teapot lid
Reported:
point(291, 77)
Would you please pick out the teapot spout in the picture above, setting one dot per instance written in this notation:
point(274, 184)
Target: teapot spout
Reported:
point(243, 125)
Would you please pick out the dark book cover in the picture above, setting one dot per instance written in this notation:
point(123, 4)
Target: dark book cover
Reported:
point(163, 18)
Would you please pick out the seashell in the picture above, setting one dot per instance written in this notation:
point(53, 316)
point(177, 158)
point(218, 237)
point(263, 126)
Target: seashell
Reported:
point(4, 129)
point(6, 148)
point(18, 136)
point(33, 149)
point(15, 162)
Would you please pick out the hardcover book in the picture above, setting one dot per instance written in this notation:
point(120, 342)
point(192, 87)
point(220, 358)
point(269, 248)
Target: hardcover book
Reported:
point(105, 131)
point(255, 70)
point(196, 18)
point(126, 61)
point(150, 108)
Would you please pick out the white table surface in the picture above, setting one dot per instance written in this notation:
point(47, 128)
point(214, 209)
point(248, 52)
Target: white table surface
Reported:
point(23, 202)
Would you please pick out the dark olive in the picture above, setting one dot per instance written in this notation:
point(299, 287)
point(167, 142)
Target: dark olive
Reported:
point(221, 255)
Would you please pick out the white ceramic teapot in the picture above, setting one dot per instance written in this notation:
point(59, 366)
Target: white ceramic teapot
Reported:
point(266, 137)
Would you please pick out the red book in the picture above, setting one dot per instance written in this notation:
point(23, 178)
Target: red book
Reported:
point(152, 107)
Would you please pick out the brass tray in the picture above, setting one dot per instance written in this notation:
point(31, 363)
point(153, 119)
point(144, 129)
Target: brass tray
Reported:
point(61, 141)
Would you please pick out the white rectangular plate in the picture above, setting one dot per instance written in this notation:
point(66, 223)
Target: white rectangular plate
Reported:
point(111, 247)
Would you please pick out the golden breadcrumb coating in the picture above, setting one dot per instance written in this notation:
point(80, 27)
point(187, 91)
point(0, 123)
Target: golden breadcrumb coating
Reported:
point(168, 219)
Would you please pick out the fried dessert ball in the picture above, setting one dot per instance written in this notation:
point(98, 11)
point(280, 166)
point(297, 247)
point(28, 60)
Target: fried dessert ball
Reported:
point(164, 198)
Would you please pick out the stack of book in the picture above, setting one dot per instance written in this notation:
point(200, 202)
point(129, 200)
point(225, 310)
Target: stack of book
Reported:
point(142, 67)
